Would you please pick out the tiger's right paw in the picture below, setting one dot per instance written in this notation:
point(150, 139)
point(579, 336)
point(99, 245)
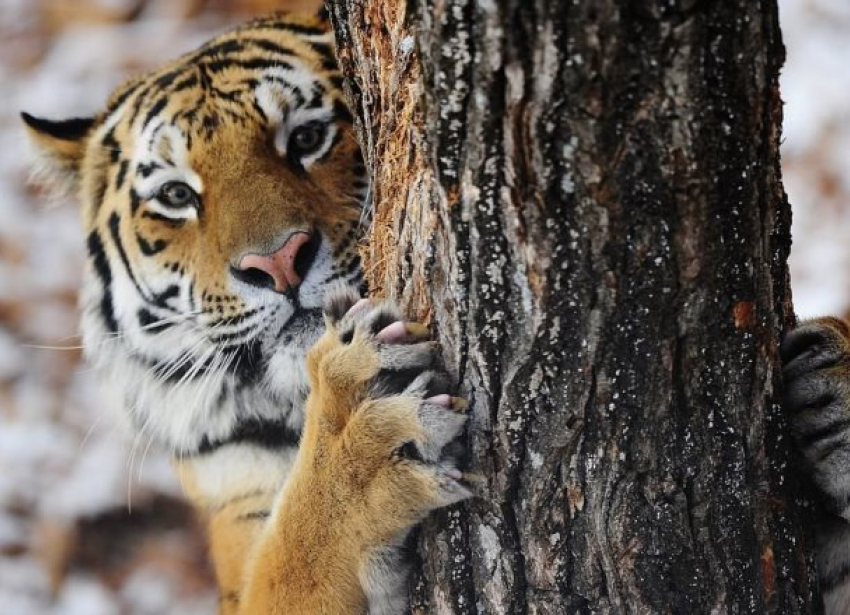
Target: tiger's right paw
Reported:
point(379, 418)
point(816, 370)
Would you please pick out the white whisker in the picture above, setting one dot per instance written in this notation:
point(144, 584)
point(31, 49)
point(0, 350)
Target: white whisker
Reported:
point(90, 431)
point(144, 456)
point(111, 337)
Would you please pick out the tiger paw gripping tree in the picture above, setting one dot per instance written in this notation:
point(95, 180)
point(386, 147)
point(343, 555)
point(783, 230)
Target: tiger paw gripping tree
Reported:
point(584, 200)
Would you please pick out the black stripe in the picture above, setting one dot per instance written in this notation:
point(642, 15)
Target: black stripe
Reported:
point(146, 168)
point(214, 49)
point(135, 201)
point(297, 28)
point(297, 96)
point(115, 233)
point(101, 184)
point(155, 110)
point(325, 50)
point(142, 96)
point(150, 323)
point(232, 320)
point(223, 394)
point(150, 248)
point(229, 338)
point(259, 110)
point(352, 273)
point(273, 435)
point(210, 122)
point(249, 83)
point(184, 84)
point(111, 143)
point(122, 97)
point(104, 272)
point(273, 47)
point(354, 265)
point(228, 95)
point(317, 99)
point(217, 66)
point(191, 295)
point(121, 175)
point(161, 299)
point(165, 79)
point(249, 364)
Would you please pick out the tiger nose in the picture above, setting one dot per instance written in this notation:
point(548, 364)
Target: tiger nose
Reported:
point(282, 269)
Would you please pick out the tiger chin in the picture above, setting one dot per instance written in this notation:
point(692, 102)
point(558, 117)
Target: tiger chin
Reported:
point(816, 370)
point(223, 199)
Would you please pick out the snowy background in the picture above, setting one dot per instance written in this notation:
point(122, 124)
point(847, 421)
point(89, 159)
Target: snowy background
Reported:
point(67, 476)
point(816, 152)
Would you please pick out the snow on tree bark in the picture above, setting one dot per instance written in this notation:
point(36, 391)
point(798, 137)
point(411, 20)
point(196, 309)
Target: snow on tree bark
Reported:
point(583, 198)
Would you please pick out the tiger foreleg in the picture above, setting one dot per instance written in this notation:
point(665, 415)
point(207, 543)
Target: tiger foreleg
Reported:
point(370, 466)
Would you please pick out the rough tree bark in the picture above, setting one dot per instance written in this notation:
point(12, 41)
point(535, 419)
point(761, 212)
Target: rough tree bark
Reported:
point(584, 200)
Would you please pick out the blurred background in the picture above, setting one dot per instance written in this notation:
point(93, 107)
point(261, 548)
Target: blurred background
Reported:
point(67, 477)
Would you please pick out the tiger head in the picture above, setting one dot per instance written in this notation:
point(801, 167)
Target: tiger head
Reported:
point(222, 195)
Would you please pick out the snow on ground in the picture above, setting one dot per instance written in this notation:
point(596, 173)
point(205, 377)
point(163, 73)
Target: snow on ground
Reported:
point(64, 465)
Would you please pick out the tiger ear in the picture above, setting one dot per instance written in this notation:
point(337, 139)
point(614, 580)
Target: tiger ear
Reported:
point(60, 146)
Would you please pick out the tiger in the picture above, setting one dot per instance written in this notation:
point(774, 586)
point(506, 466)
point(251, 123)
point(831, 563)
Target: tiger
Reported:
point(223, 198)
point(816, 374)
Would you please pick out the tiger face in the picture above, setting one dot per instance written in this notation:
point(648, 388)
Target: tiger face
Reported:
point(222, 196)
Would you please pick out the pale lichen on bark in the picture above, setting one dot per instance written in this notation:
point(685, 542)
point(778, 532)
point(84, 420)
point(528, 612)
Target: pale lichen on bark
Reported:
point(584, 200)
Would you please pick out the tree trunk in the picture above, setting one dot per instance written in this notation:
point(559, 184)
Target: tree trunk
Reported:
point(584, 200)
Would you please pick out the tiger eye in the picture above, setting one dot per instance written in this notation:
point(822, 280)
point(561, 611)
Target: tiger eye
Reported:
point(177, 194)
point(306, 139)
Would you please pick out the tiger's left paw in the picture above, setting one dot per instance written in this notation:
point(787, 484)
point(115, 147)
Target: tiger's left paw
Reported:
point(816, 369)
